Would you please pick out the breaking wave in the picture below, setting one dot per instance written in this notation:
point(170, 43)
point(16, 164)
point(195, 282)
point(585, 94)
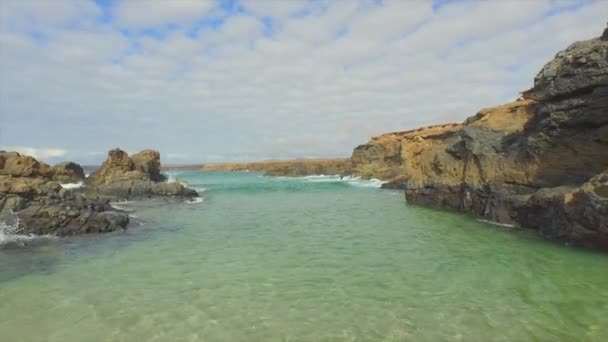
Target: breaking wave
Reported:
point(72, 185)
point(354, 181)
point(195, 200)
point(9, 233)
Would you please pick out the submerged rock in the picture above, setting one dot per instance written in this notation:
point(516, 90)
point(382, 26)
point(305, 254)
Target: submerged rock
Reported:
point(539, 162)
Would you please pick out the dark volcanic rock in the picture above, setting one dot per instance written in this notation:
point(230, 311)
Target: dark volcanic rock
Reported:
point(44, 207)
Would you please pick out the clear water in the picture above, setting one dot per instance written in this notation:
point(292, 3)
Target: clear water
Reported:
point(264, 259)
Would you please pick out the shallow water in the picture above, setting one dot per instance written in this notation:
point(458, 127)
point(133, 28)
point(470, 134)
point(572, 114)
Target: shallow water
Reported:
point(318, 259)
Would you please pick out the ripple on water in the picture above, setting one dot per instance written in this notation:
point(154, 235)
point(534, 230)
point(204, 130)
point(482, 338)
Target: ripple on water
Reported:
point(267, 259)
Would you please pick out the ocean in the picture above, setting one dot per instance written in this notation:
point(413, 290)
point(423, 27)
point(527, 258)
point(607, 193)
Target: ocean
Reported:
point(300, 259)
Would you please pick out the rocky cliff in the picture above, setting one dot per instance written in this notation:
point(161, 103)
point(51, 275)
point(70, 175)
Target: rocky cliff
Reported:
point(289, 168)
point(540, 163)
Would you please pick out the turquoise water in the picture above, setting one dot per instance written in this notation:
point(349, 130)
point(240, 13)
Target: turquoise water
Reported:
point(266, 259)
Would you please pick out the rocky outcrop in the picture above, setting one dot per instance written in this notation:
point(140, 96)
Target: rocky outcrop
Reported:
point(138, 176)
point(539, 162)
point(118, 166)
point(288, 168)
point(42, 206)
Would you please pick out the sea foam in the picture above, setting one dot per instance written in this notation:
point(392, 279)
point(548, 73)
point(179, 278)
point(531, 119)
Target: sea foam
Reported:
point(72, 185)
point(354, 181)
point(9, 233)
point(195, 200)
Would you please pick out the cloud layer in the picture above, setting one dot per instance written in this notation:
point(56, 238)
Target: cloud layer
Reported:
point(220, 81)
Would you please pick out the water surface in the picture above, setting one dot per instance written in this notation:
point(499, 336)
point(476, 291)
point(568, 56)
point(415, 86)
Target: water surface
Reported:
point(318, 259)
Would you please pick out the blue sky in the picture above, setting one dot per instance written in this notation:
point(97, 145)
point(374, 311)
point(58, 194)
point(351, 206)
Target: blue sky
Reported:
point(210, 81)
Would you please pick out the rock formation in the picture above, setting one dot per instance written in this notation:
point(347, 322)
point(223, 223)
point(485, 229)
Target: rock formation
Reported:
point(288, 168)
point(138, 176)
point(540, 162)
point(28, 189)
point(68, 172)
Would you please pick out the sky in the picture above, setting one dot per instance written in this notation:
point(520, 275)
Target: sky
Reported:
point(213, 81)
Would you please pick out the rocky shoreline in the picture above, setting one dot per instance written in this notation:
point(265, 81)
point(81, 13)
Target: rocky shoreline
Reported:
point(540, 162)
point(287, 168)
point(33, 198)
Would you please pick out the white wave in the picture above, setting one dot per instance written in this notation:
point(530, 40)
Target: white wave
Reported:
point(72, 185)
point(506, 225)
point(195, 200)
point(120, 205)
point(354, 181)
point(9, 234)
point(367, 183)
point(171, 177)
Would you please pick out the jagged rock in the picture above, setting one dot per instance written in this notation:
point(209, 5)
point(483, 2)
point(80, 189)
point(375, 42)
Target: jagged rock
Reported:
point(578, 213)
point(44, 207)
point(118, 166)
point(68, 172)
point(124, 177)
point(69, 217)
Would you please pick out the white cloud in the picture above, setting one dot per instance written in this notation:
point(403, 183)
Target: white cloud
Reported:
point(324, 81)
point(44, 153)
point(145, 13)
point(34, 15)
